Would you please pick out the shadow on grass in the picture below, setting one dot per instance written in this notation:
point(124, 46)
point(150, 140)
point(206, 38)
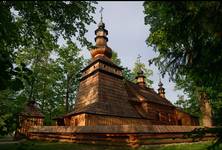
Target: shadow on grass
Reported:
point(36, 145)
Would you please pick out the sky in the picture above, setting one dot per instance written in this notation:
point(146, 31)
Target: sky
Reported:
point(127, 35)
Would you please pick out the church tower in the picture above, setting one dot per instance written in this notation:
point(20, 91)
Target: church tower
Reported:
point(102, 98)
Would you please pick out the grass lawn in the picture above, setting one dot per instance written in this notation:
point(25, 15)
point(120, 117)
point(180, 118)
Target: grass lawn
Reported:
point(182, 146)
point(29, 145)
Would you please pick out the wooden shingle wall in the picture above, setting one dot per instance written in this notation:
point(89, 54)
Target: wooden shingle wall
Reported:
point(93, 120)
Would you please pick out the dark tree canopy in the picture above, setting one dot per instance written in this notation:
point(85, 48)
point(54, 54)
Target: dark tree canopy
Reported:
point(38, 25)
point(30, 32)
point(188, 37)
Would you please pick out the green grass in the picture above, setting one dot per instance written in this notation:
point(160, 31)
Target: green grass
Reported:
point(30, 145)
point(182, 146)
point(6, 138)
point(57, 146)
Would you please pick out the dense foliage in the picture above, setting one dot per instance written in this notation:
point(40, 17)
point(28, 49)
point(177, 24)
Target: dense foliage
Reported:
point(37, 25)
point(138, 66)
point(189, 105)
point(55, 78)
point(131, 74)
point(30, 33)
point(188, 37)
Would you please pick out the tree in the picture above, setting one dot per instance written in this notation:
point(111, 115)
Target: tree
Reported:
point(31, 24)
point(131, 75)
point(115, 58)
point(39, 85)
point(188, 37)
point(55, 78)
point(11, 103)
point(70, 64)
point(188, 105)
point(34, 28)
point(127, 74)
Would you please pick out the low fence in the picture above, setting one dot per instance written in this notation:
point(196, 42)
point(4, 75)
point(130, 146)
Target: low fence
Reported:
point(132, 135)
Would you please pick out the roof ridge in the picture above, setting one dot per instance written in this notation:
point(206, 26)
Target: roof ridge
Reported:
point(159, 100)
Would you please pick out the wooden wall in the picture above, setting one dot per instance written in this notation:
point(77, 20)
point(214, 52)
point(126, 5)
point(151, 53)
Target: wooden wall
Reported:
point(161, 114)
point(26, 122)
point(132, 135)
point(185, 119)
point(168, 117)
point(93, 120)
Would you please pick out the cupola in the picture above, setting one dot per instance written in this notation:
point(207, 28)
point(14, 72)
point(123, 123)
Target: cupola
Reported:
point(140, 78)
point(161, 90)
point(101, 48)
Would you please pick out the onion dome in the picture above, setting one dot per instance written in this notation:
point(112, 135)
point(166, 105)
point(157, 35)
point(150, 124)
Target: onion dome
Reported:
point(140, 78)
point(101, 48)
point(161, 90)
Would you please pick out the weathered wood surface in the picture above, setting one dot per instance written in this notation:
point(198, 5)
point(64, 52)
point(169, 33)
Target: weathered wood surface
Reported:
point(152, 135)
point(113, 129)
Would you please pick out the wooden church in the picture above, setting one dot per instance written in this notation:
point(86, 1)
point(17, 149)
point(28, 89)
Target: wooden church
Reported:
point(106, 98)
point(110, 107)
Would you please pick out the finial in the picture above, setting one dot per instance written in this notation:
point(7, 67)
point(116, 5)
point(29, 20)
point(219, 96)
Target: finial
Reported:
point(160, 83)
point(161, 90)
point(140, 71)
point(101, 10)
point(139, 57)
point(140, 78)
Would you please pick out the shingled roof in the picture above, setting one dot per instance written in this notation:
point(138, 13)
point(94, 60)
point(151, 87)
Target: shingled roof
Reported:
point(31, 110)
point(105, 60)
point(110, 96)
point(139, 94)
point(113, 96)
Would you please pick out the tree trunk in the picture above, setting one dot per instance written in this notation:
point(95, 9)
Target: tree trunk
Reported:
point(31, 89)
point(66, 101)
point(206, 109)
point(67, 96)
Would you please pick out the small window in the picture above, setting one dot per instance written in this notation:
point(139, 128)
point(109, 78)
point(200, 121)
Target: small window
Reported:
point(179, 122)
point(76, 122)
point(169, 118)
point(158, 116)
point(104, 66)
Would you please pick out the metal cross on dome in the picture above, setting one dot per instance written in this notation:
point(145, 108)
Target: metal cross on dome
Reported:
point(160, 83)
point(139, 61)
point(139, 57)
point(159, 78)
point(101, 10)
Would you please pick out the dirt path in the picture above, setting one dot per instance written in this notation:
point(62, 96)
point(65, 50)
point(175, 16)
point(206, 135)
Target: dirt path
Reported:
point(9, 140)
